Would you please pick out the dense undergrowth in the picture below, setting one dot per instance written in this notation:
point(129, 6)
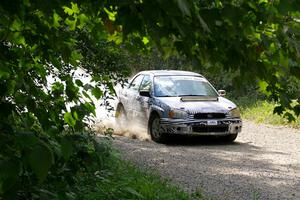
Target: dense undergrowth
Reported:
point(86, 167)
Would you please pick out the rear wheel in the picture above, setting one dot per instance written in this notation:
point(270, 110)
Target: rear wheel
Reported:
point(229, 138)
point(155, 130)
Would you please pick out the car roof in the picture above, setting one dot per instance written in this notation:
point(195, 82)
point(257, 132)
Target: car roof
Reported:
point(170, 72)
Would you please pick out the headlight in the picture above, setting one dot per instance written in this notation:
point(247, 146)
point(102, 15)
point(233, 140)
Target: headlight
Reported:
point(177, 114)
point(235, 113)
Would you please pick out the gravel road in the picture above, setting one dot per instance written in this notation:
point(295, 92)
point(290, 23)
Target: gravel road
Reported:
point(263, 163)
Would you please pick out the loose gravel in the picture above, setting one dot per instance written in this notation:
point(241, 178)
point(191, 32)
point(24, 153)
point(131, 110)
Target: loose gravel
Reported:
point(263, 163)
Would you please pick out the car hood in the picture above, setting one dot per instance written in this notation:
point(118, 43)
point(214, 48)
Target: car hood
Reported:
point(217, 105)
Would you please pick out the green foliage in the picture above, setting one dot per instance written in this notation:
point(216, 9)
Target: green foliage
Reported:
point(46, 107)
point(42, 166)
point(262, 111)
point(40, 160)
point(122, 180)
point(259, 40)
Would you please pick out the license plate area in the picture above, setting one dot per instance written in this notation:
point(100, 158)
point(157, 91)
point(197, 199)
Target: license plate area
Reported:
point(212, 122)
point(201, 128)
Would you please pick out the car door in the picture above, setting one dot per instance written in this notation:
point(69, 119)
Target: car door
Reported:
point(132, 93)
point(142, 101)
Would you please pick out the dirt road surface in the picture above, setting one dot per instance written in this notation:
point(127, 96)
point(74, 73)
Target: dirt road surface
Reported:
point(263, 163)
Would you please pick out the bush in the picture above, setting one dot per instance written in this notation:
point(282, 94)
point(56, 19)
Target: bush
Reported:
point(262, 111)
point(35, 167)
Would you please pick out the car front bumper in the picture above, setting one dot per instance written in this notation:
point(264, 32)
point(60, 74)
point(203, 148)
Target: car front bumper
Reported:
point(217, 127)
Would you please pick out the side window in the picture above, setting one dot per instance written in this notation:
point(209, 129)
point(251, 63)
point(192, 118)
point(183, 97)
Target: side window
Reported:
point(135, 84)
point(146, 83)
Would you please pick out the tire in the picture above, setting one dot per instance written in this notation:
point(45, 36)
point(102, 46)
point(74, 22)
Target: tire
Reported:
point(229, 138)
point(155, 131)
point(121, 116)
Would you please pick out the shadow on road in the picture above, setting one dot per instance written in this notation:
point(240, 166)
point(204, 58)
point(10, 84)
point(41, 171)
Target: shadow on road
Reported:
point(180, 140)
point(217, 143)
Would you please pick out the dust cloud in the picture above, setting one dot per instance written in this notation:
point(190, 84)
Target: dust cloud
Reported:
point(106, 122)
point(128, 129)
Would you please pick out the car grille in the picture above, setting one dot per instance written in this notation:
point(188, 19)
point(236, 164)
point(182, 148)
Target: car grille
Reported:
point(209, 116)
point(206, 129)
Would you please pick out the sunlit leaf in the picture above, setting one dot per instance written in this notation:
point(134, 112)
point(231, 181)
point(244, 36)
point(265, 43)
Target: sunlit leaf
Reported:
point(56, 20)
point(71, 23)
point(69, 119)
point(145, 40)
point(111, 15)
point(73, 10)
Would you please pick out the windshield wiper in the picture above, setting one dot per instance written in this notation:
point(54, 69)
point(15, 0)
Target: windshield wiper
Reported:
point(165, 96)
point(191, 95)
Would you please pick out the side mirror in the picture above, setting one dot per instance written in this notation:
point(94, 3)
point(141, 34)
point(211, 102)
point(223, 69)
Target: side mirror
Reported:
point(222, 93)
point(145, 93)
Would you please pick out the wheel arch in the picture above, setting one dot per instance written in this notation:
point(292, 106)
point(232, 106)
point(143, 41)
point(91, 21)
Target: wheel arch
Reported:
point(120, 107)
point(154, 112)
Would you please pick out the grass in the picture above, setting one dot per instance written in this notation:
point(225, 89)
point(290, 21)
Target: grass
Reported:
point(261, 111)
point(123, 180)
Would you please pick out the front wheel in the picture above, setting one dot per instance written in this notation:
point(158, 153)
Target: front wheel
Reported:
point(155, 130)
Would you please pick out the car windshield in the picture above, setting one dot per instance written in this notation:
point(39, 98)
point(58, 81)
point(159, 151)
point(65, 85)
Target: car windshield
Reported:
point(174, 86)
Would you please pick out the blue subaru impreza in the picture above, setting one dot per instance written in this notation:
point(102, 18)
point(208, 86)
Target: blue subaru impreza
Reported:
point(172, 102)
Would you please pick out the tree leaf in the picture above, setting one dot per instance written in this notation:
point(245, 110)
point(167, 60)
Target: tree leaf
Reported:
point(40, 160)
point(97, 92)
point(79, 82)
point(278, 110)
point(71, 23)
point(297, 110)
point(66, 148)
point(290, 117)
point(73, 10)
point(75, 57)
point(56, 20)
point(71, 90)
point(263, 85)
point(69, 119)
